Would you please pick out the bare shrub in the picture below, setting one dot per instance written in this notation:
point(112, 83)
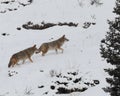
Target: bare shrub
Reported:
point(28, 91)
point(53, 73)
point(96, 2)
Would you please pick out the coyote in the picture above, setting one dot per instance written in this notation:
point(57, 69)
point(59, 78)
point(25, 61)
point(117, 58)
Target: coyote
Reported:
point(22, 55)
point(54, 45)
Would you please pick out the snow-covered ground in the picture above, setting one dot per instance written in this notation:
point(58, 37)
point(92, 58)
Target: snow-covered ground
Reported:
point(81, 54)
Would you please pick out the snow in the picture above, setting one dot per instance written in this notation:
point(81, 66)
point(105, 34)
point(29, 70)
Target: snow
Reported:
point(81, 54)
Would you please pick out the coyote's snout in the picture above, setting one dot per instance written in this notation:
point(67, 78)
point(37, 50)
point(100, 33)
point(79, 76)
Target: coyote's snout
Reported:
point(22, 55)
point(54, 45)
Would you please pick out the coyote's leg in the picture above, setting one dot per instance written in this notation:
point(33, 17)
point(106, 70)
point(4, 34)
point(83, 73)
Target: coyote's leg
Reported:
point(14, 62)
point(56, 51)
point(30, 59)
point(13, 65)
point(23, 62)
point(44, 52)
point(61, 49)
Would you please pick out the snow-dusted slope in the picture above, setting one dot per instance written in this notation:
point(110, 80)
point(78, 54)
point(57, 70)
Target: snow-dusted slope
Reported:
point(81, 54)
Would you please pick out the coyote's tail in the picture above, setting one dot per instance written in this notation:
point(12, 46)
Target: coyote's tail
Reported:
point(12, 61)
point(9, 65)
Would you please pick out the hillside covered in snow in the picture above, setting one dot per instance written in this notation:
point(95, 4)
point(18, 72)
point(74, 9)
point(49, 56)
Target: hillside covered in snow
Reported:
point(78, 71)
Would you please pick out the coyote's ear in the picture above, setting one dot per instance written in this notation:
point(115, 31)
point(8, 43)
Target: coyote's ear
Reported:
point(63, 35)
point(34, 45)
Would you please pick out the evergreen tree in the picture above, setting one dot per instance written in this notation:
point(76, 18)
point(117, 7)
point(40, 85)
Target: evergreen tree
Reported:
point(110, 50)
point(110, 47)
point(117, 8)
